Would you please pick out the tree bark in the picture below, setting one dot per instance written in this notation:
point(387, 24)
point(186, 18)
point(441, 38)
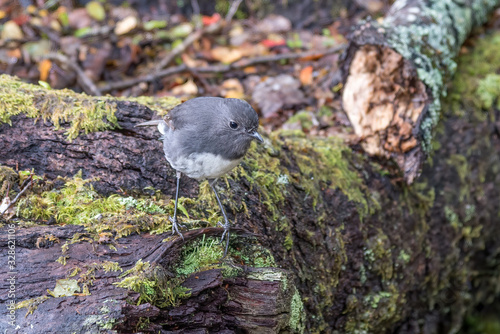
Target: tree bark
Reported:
point(395, 74)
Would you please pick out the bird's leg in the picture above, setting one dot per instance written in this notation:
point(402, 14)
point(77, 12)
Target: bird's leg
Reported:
point(226, 224)
point(175, 227)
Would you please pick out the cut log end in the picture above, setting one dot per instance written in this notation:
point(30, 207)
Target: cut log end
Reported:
point(385, 102)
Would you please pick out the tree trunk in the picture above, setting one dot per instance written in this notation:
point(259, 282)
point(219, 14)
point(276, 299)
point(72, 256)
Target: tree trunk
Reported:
point(395, 74)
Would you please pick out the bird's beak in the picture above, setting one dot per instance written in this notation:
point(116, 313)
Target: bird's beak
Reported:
point(257, 136)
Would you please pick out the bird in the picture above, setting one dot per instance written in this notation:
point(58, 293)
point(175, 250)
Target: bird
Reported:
point(205, 138)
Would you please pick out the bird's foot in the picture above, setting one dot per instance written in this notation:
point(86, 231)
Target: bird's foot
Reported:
point(226, 235)
point(175, 227)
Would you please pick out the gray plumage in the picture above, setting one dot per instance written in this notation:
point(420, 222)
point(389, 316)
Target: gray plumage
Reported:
point(206, 137)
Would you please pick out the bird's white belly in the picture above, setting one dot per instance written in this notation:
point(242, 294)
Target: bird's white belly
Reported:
point(203, 165)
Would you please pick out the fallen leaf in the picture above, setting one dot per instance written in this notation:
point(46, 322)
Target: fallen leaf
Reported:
point(250, 70)
point(275, 92)
point(225, 54)
point(306, 75)
point(79, 18)
point(38, 48)
point(21, 19)
point(189, 88)
point(126, 25)
point(65, 288)
point(155, 24)
point(190, 62)
point(44, 69)
point(208, 20)
point(269, 43)
point(11, 31)
point(180, 31)
point(238, 35)
point(274, 23)
point(232, 88)
point(96, 10)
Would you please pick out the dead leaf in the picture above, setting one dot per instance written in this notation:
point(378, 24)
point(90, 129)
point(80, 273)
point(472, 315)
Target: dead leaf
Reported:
point(193, 63)
point(126, 25)
point(189, 88)
point(96, 10)
point(306, 75)
point(65, 288)
point(225, 54)
point(232, 88)
point(269, 43)
point(11, 31)
point(275, 92)
point(274, 23)
point(44, 67)
point(79, 18)
point(238, 35)
point(208, 20)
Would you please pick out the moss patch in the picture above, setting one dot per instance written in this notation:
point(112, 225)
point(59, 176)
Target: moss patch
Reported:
point(154, 285)
point(83, 113)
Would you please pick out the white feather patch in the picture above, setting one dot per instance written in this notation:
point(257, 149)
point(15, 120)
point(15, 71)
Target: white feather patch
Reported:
point(203, 165)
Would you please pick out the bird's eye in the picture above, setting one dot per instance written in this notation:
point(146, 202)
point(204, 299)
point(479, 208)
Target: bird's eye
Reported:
point(233, 125)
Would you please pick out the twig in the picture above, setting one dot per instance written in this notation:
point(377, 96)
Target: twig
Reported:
point(232, 10)
point(196, 7)
point(219, 68)
point(187, 42)
point(16, 198)
point(147, 78)
point(87, 85)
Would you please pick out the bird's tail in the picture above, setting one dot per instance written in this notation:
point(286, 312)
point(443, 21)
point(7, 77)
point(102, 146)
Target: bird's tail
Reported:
point(162, 126)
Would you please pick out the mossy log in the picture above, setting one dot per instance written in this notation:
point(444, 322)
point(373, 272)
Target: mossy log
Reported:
point(396, 71)
point(327, 240)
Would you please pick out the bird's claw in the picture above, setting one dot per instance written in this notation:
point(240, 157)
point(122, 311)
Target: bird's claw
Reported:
point(226, 235)
point(175, 227)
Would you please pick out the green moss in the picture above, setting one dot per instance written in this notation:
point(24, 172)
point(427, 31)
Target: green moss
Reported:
point(104, 321)
point(201, 254)
point(404, 257)
point(303, 118)
point(452, 217)
point(480, 324)
point(327, 163)
point(379, 308)
point(77, 203)
point(473, 84)
point(379, 255)
point(488, 91)
point(297, 314)
point(83, 113)
point(154, 285)
point(108, 266)
point(8, 178)
point(31, 304)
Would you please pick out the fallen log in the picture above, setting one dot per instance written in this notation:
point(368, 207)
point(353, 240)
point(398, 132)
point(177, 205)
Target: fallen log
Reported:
point(395, 74)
